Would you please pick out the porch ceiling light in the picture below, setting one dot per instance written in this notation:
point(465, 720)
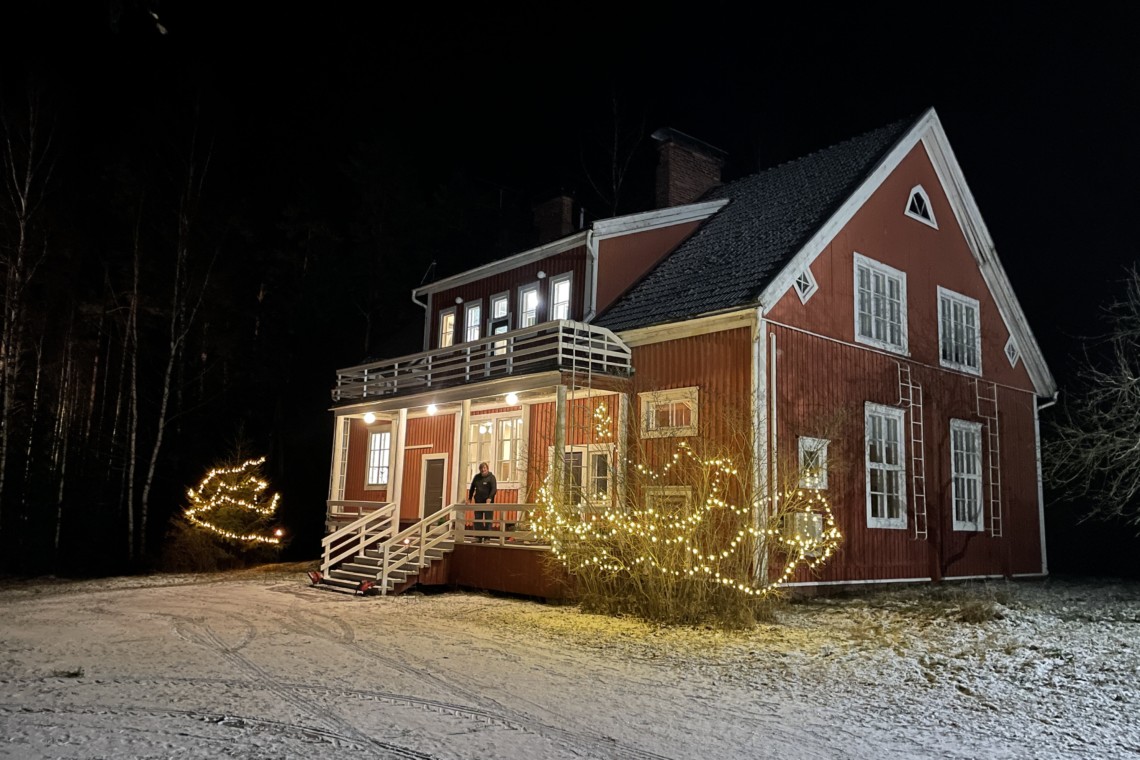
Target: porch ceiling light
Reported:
point(432, 409)
point(369, 418)
point(512, 398)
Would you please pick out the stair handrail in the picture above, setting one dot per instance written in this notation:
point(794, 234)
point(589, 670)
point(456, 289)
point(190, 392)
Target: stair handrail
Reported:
point(370, 529)
point(442, 529)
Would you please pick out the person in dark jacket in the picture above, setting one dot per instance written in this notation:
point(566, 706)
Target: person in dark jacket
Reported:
point(482, 491)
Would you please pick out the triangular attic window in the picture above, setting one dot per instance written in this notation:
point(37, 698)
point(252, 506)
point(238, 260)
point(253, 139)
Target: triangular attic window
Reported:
point(918, 207)
point(805, 285)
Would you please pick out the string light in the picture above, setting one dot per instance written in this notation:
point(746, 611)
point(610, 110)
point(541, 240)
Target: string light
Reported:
point(239, 487)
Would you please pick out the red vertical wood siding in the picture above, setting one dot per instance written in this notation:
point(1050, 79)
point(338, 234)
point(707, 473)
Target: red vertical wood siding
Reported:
point(624, 259)
point(573, 260)
point(356, 471)
point(581, 430)
point(439, 433)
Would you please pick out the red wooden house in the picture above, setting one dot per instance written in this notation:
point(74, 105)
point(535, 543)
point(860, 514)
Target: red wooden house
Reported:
point(859, 279)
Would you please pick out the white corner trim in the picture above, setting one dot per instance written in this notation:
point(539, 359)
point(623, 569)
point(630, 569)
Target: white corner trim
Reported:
point(576, 240)
point(648, 220)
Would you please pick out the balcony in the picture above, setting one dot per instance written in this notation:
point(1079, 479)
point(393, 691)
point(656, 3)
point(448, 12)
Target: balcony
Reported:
point(560, 345)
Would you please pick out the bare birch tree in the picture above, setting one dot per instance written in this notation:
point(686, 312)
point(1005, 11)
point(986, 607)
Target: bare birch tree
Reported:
point(1093, 451)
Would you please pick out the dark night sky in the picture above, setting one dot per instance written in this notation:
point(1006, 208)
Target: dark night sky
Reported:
point(1041, 109)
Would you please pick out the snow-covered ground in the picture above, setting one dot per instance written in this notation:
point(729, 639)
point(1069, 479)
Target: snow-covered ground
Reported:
point(260, 665)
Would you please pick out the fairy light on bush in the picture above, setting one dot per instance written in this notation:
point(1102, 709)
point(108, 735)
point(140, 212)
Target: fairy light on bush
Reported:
point(240, 488)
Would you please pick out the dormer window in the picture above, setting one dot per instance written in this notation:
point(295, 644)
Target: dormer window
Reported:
point(918, 207)
point(806, 285)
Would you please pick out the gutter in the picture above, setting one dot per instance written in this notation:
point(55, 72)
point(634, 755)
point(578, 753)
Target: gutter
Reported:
point(1049, 403)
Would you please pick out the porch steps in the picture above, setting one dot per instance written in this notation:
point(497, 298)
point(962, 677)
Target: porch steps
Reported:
point(367, 567)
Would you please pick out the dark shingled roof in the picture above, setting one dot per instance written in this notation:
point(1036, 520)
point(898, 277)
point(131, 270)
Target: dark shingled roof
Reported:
point(733, 256)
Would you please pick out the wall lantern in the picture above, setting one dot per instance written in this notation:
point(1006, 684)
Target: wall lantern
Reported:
point(369, 418)
point(541, 275)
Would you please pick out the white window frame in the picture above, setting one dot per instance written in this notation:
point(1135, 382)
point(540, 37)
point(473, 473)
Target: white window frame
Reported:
point(504, 299)
point(587, 451)
point(929, 219)
point(952, 299)
point(1012, 352)
point(529, 318)
point(818, 446)
point(887, 273)
point(805, 285)
point(898, 416)
point(469, 323)
point(655, 493)
point(567, 278)
point(966, 476)
point(650, 400)
point(378, 473)
point(446, 337)
point(475, 454)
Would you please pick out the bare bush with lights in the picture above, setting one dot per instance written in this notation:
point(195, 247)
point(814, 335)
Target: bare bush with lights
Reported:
point(690, 536)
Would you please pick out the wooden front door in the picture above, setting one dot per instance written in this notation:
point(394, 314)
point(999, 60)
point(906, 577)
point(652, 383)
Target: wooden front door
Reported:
point(432, 481)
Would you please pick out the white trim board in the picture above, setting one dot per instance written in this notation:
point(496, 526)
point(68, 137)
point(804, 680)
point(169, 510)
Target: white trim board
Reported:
point(576, 240)
point(649, 220)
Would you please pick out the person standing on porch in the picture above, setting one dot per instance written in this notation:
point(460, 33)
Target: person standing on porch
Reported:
point(482, 491)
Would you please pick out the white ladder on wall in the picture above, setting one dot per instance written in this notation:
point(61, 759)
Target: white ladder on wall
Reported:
point(987, 396)
point(910, 397)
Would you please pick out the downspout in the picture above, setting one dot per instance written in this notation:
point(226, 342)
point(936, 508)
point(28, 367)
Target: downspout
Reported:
point(591, 295)
point(1041, 480)
point(427, 319)
point(759, 453)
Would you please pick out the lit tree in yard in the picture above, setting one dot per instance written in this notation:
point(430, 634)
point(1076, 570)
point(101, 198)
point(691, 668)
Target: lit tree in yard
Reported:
point(233, 505)
point(1093, 450)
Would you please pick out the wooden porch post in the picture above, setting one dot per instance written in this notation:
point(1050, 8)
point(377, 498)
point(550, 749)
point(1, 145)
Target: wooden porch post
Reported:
point(558, 465)
point(461, 455)
point(397, 471)
point(620, 464)
point(336, 471)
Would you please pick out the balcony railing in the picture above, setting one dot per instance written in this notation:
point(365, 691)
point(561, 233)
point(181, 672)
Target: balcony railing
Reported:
point(560, 345)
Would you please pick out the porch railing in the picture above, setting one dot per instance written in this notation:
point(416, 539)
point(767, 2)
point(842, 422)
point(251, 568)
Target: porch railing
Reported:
point(368, 530)
point(563, 345)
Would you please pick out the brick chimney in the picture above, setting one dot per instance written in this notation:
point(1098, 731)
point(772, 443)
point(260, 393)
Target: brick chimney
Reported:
point(554, 218)
point(686, 167)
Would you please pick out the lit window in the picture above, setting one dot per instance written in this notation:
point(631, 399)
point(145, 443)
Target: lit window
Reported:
point(496, 440)
point(528, 305)
point(446, 328)
point(880, 305)
point(966, 473)
point(560, 297)
point(959, 339)
point(806, 285)
point(669, 413)
point(379, 453)
point(472, 316)
point(500, 320)
point(813, 462)
point(886, 469)
point(918, 207)
point(1012, 352)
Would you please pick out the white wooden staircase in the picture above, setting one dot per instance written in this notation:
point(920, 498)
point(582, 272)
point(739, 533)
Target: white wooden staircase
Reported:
point(369, 556)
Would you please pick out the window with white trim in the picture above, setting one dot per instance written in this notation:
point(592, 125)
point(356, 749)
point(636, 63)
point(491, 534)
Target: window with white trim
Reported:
point(586, 473)
point(560, 296)
point(918, 207)
point(472, 314)
point(880, 305)
point(669, 499)
point(806, 285)
point(966, 474)
point(959, 336)
point(379, 456)
point(528, 305)
point(447, 327)
point(886, 466)
point(496, 440)
point(1012, 352)
point(669, 413)
point(500, 320)
point(813, 462)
